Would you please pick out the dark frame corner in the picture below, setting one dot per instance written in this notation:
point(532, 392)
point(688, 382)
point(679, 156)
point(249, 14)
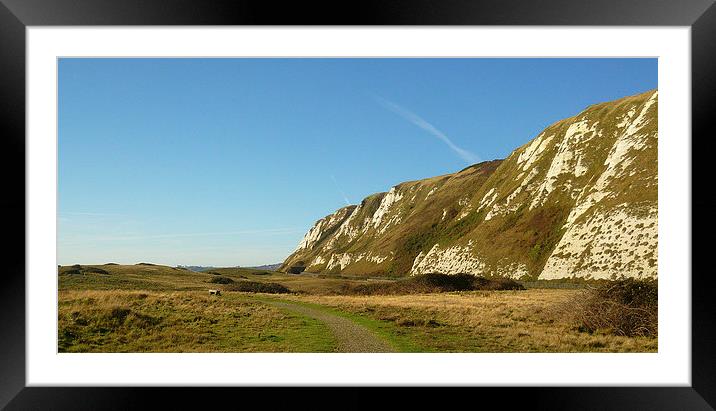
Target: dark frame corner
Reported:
point(16, 15)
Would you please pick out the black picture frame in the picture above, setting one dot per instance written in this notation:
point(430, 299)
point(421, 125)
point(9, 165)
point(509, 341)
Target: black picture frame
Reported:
point(16, 15)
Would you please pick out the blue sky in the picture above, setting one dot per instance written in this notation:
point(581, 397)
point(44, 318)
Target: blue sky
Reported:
point(230, 161)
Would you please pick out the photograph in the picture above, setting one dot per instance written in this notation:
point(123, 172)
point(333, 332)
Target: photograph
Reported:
point(213, 200)
point(357, 205)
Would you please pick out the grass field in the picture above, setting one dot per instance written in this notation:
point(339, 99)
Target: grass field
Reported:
point(152, 308)
point(535, 320)
point(181, 321)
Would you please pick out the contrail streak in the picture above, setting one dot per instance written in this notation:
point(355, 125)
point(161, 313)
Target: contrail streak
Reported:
point(466, 155)
point(345, 198)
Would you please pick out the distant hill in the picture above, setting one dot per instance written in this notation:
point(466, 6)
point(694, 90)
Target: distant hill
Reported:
point(270, 267)
point(579, 200)
point(201, 268)
point(197, 268)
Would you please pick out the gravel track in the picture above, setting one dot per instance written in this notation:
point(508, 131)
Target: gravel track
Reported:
point(351, 337)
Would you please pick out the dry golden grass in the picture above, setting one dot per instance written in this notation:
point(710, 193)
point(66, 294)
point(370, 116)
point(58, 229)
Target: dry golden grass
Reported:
point(162, 309)
point(157, 277)
point(133, 277)
point(315, 285)
point(181, 321)
point(534, 320)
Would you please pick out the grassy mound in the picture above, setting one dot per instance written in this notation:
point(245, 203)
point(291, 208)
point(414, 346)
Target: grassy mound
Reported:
point(80, 269)
point(625, 307)
point(221, 280)
point(432, 283)
point(257, 287)
point(94, 270)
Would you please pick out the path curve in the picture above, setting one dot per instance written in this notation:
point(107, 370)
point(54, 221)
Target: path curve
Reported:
point(351, 337)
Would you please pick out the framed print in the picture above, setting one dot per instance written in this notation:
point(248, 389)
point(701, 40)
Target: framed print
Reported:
point(494, 196)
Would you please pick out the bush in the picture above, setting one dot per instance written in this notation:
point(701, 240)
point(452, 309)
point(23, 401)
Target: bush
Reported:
point(94, 270)
point(257, 287)
point(445, 282)
point(297, 268)
point(624, 307)
point(497, 284)
point(221, 280)
point(72, 271)
point(119, 314)
point(432, 283)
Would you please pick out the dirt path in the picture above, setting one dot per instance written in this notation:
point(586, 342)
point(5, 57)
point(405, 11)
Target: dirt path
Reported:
point(351, 337)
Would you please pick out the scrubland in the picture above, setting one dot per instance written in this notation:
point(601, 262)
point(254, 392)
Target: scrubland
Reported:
point(152, 308)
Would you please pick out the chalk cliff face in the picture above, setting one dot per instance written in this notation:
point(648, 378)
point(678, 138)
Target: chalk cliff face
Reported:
point(579, 200)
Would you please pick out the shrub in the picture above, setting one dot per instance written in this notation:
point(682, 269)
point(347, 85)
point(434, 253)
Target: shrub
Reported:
point(445, 282)
point(624, 307)
point(94, 270)
point(296, 269)
point(432, 283)
point(221, 280)
point(497, 284)
point(119, 313)
point(257, 287)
